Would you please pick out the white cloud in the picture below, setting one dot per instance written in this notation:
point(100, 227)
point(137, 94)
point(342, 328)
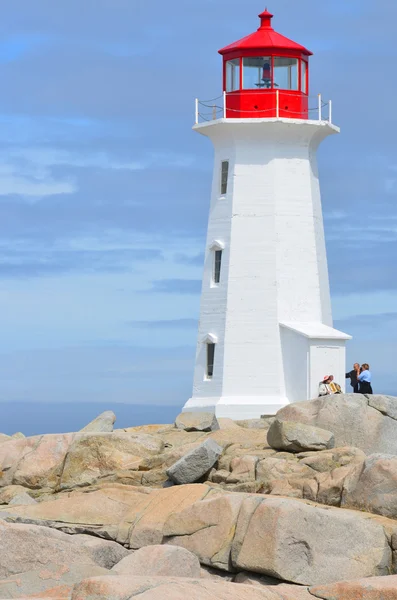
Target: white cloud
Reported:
point(25, 183)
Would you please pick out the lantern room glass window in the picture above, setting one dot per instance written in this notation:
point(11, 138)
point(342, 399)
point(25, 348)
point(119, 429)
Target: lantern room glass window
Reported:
point(257, 73)
point(304, 76)
point(286, 73)
point(233, 75)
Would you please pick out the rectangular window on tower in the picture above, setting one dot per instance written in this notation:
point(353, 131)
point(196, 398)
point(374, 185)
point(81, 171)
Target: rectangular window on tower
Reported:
point(217, 265)
point(304, 76)
point(233, 75)
point(224, 176)
point(210, 359)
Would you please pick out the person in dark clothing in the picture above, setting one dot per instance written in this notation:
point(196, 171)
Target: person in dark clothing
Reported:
point(353, 376)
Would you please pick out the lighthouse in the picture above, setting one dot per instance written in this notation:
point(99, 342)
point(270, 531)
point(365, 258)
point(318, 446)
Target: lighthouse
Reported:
point(265, 335)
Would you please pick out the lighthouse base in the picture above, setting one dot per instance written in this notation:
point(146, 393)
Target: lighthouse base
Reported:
point(237, 407)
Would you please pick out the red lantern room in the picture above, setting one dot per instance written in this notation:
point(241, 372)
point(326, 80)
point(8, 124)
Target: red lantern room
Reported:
point(266, 75)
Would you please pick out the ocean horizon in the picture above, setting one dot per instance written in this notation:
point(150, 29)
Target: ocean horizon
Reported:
point(35, 418)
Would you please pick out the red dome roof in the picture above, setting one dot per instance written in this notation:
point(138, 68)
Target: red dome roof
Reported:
point(265, 38)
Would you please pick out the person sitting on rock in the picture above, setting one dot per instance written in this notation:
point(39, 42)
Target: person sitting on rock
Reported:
point(328, 386)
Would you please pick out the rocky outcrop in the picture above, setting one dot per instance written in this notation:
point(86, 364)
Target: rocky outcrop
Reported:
point(167, 588)
point(35, 559)
point(207, 528)
point(196, 463)
point(159, 561)
point(65, 461)
point(35, 462)
point(97, 514)
point(368, 423)
point(296, 437)
point(103, 423)
point(197, 421)
point(21, 499)
point(104, 553)
point(376, 488)
point(375, 588)
point(227, 531)
point(133, 517)
point(294, 550)
point(8, 493)
point(92, 457)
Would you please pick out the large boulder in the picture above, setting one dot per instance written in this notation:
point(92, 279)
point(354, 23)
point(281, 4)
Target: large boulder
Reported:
point(321, 476)
point(22, 499)
point(103, 423)
point(132, 516)
point(207, 529)
point(159, 561)
point(59, 592)
point(254, 424)
point(104, 553)
point(100, 512)
point(296, 437)
point(284, 590)
point(34, 559)
point(34, 462)
point(365, 422)
point(336, 472)
point(197, 421)
point(285, 476)
point(376, 488)
point(194, 465)
point(94, 456)
point(11, 491)
point(242, 468)
point(66, 461)
point(305, 544)
point(4, 438)
point(373, 588)
point(171, 588)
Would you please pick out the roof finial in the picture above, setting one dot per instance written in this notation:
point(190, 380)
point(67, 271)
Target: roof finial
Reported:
point(266, 19)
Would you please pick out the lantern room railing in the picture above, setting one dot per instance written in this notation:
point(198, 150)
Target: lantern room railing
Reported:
point(218, 108)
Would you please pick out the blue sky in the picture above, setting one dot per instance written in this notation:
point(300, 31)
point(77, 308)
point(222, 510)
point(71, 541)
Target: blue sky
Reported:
point(104, 188)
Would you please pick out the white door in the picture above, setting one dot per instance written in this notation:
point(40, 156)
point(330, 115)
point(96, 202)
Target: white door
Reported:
point(324, 360)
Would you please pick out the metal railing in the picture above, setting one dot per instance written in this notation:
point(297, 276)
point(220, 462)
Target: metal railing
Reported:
point(219, 108)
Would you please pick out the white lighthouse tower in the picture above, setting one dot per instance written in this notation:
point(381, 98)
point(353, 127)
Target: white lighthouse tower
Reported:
point(266, 335)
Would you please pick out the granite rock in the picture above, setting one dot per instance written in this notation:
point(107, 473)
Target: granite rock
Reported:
point(297, 437)
point(197, 421)
point(159, 561)
point(194, 465)
point(103, 423)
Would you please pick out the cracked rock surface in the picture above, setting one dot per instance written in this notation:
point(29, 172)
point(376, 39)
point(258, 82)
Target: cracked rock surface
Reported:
point(295, 507)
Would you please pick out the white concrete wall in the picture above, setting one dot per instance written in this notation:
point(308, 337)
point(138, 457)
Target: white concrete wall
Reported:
point(296, 361)
point(274, 264)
